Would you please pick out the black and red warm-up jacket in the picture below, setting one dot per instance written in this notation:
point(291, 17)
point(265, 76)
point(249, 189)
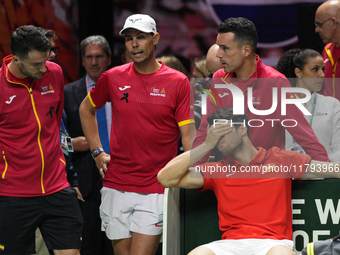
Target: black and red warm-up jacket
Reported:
point(31, 161)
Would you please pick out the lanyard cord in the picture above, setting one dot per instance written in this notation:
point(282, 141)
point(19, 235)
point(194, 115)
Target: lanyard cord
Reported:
point(312, 116)
point(313, 109)
point(64, 129)
point(334, 68)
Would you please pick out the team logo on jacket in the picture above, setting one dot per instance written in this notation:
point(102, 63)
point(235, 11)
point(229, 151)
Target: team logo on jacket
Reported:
point(10, 99)
point(46, 89)
point(257, 100)
point(157, 92)
point(124, 88)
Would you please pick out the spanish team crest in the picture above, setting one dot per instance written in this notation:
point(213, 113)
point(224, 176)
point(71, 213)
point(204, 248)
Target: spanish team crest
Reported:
point(46, 89)
point(157, 92)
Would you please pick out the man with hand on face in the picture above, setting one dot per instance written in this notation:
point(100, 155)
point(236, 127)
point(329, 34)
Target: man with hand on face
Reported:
point(327, 25)
point(33, 165)
point(252, 186)
point(96, 58)
point(150, 109)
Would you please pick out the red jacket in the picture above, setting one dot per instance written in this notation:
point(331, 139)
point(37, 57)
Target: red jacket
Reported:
point(32, 162)
point(331, 85)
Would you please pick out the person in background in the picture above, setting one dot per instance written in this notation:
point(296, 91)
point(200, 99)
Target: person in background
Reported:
point(173, 62)
point(51, 36)
point(237, 40)
point(200, 68)
point(71, 173)
point(204, 68)
point(327, 18)
point(200, 78)
point(305, 70)
point(40, 245)
point(96, 58)
point(150, 108)
point(213, 63)
point(33, 164)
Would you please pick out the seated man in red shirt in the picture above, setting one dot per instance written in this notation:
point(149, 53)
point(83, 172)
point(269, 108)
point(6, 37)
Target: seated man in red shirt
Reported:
point(252, 186)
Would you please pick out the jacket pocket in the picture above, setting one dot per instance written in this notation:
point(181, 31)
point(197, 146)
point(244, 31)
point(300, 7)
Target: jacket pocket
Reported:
point(6, 165)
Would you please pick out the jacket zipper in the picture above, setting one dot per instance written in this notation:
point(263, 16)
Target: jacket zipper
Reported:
point(39, 142)
point(39, 132)
point(39, 125)
point(6, 165)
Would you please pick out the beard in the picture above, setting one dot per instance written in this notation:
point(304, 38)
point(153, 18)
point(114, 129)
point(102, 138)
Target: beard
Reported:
point(232, 148)
point(24, 71)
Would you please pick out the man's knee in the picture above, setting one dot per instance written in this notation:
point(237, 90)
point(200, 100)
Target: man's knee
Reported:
point(280, 250)
point(201, 250)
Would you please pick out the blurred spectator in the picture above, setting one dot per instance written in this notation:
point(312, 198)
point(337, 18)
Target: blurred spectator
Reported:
point(173, 62)
point(96, 58)
point(51, 36)
point(200, 78)
point(200, 69)
point(327, 20)
point(41, 248)
point(213, 63)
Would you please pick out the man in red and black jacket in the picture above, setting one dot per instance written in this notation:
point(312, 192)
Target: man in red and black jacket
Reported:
point(32, 166)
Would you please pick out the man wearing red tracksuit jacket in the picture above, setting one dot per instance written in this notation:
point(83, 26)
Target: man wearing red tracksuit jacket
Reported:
point(34, 191)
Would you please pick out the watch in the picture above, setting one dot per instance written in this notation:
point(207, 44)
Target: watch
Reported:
point(96, 151)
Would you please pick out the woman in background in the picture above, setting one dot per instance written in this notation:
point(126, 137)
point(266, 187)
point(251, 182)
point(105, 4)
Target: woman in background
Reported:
point(173, 62)
point(305, 69)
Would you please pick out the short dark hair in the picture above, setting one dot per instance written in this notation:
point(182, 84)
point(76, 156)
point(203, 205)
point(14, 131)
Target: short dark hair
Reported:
point(49, 33)
point(27, 38)
point(295, 58)
point(226, 113)
point(244, 31)
point(95, 39)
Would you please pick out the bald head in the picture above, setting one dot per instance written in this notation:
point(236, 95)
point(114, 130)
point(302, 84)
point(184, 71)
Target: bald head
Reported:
point(213, 63)
point(327, 20)
point(330, 7)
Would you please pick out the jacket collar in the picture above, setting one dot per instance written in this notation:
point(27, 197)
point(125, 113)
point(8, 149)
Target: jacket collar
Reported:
point(13, 79)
